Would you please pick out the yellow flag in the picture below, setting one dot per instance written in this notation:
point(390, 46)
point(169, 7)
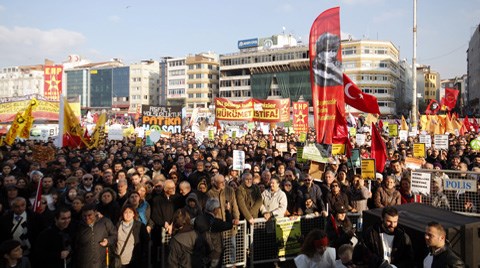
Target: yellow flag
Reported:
point(98, 136)
point(425, 122)
point(17, 125)
point(27, 115)
point(71, 123)
point(449, 125)
point(404, 125)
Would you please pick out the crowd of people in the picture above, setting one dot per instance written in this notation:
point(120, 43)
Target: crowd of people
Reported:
point(109, 206)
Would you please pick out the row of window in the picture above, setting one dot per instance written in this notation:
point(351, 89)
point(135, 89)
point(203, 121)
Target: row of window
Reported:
point(202, 76)
point(365, 50)
point(179, 72)
point(199, 95)
point(202, 66)
point(235, 83)
point(265, 58)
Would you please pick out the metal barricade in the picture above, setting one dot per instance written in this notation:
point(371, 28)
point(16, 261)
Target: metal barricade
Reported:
point(233, 255)
point(265, 244)
point(453, 190)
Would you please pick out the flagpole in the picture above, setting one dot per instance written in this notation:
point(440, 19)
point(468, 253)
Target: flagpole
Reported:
point(61, 118)
point(414, 68)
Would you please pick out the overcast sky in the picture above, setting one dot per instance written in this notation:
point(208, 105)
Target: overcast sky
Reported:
point(31, 31)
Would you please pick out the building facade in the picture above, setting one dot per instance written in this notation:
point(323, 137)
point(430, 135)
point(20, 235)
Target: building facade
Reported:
point(176, 82)
point(21, 80)
point(266, 68)
point(473, 72)
point(202, 81)
point(144, 84)
point(374, 66)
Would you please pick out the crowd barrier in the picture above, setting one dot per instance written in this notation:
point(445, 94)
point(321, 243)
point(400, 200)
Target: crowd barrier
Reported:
point(453, 190)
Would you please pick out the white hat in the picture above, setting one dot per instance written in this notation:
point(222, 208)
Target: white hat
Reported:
point(247, 166)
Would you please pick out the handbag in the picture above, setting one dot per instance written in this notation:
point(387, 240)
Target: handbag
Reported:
point(117, 262)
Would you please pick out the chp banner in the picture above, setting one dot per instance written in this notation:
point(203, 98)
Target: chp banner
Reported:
point(326, 76)
point(53, 82)
point(268, 111)
point(162, 118)
point(300, 117)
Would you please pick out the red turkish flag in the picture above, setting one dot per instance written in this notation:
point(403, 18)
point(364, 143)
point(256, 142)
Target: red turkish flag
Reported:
point(340, 132)
point(466, 123)
point(357, 99)
point(38, 197)
point(432, 108)
point(450, 99)
point(378, 149)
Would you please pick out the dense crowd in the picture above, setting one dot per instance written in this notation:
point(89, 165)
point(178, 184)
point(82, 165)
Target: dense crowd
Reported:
point(110, 204)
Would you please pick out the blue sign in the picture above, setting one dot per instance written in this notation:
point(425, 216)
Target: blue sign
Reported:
point(248, 43)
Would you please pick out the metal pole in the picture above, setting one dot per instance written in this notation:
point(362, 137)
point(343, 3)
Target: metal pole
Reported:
point(414, 68)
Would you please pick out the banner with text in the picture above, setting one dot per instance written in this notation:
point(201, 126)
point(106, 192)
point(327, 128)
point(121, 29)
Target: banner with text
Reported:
point(162, 118)
point(269, 111)
point(52, 88)
point(300, 117)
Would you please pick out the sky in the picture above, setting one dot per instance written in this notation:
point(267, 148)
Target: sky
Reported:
point(32, 30)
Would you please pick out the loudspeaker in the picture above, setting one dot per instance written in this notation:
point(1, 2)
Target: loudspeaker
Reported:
point(463, 232)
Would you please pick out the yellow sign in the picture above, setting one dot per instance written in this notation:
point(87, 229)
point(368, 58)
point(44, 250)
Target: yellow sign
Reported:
point(393, 130)
point(138, 142)
point(338, 149)
point(419, 150)
point(368, 169)
point(303, 137)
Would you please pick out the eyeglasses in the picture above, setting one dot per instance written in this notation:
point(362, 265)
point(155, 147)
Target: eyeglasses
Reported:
point(88, 179)
point(44, 202)
point(334, 186)
point(288, 185)
point(208, 166)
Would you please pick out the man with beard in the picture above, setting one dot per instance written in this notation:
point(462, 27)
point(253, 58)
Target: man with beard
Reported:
point(387, 241)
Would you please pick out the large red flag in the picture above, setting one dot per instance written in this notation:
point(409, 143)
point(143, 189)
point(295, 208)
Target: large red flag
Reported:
point(378, 149)
point(340, 132)
point(432, 107)
point(357, 99)
point(450, 99)
point(326, 72)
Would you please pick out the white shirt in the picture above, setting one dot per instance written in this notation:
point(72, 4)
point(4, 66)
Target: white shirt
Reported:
point(427, 262)
point(387, 241)
point(326, 260)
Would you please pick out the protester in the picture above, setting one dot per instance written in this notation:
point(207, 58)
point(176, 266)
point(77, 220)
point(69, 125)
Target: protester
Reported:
point(12, 255)
point(315, 251)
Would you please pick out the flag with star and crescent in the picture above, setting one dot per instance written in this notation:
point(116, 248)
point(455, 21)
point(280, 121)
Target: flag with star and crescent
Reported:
point(357, 99)
point(53, 82)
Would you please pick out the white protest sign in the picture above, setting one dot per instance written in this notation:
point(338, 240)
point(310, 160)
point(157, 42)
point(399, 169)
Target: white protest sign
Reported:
point(140, 132)
point(403, 135)
point(154, 135)
point(238, 159)
point(115, 134)
point(360, 139)
point(427, 139)
point(441, 142)
point(282, 147)
point(421, 182)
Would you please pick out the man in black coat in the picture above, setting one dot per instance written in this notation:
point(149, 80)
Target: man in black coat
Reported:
point(441, 255)
point(54, 245)
point(20, 224)
point(388, 241)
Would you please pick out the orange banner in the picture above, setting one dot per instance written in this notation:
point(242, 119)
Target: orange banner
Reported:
point(226, 109)
point(269, 111)
point(300, 117)
point(272, 111)
point(53, 82)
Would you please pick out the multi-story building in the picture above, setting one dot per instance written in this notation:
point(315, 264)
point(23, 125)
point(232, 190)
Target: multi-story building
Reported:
point(374, 66)
point(202, 81)
point(144, 84)
point(404, 92)
point(266, 68)
point(163, 80)
point(21, 80)
point(176, 82)
point(473, 72)
point(431, 82)
point(101, 85)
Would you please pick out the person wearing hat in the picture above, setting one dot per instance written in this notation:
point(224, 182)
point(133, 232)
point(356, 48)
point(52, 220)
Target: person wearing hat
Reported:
point(315, 251)
point(339, 227)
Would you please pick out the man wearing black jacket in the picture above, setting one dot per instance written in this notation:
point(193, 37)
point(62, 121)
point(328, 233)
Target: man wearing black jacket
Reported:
point(388, 241)
point(54, 244)
point(441, 255)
